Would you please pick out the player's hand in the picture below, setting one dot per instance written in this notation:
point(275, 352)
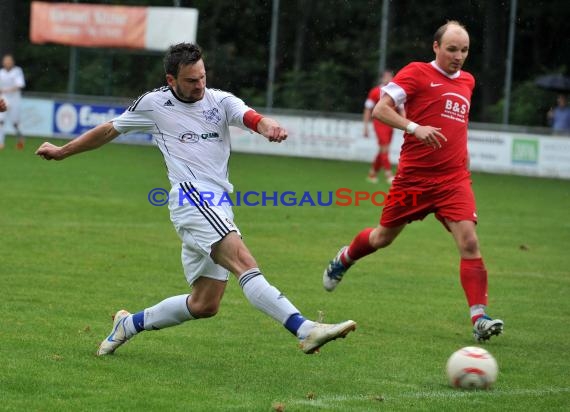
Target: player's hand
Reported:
point(365, 132)
point(430, 136)
point(275, 134)
point(3, 105)
point(49, 151)
point(272, 131)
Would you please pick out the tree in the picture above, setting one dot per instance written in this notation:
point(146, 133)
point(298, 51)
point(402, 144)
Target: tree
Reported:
point(327, 54)
point(7, 11)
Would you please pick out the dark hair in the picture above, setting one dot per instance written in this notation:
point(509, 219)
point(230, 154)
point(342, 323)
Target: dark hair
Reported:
point(181, 54)
point(442, 29)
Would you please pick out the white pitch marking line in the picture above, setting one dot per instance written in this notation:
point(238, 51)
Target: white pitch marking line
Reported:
point(325, 401)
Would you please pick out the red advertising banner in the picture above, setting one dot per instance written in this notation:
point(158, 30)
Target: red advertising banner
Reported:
point(88, 25)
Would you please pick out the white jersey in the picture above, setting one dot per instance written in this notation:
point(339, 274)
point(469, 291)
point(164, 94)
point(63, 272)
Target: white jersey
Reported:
point(194, 138)
point(10, 79)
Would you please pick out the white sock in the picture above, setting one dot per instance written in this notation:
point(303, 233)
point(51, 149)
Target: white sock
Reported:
point(170, 312)
point(476, 310)
point(265, 297)
point(305, 328)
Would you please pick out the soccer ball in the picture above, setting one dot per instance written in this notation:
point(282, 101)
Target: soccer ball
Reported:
point(472, 368)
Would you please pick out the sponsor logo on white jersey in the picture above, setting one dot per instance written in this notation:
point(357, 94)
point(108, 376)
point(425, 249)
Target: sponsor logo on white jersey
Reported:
point(212, 115)
point(192, 137)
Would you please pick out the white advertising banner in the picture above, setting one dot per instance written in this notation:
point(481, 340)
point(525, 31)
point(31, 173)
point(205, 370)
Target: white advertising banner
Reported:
point(490, 151)
point(36, 117)
point(170, 25)
point(319, 137)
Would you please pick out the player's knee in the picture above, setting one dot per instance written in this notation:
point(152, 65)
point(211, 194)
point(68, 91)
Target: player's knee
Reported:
point(204, 310)
point(470, 244)
point(380, 241)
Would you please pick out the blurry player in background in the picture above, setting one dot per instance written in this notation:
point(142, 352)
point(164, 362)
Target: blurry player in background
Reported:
point(190, 125)
point(11, 84)
point(559, 116)
point(382, 130)
point(433, 162)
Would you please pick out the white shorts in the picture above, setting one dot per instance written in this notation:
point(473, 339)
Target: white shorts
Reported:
point(12, 115)
point(199, 226)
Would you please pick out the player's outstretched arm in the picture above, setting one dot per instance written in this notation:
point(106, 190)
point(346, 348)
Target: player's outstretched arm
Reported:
point(92, 139)
point(272, 131)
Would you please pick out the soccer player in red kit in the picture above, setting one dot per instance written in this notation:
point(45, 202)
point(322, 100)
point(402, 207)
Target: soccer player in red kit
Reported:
point(382, 130)
point(433, 161)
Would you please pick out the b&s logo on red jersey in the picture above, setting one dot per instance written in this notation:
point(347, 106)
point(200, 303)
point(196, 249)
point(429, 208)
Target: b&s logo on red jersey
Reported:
point(456, 107)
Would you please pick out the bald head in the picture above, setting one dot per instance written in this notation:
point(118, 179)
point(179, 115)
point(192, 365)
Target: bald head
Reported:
point(451, 24)
point(451, 46)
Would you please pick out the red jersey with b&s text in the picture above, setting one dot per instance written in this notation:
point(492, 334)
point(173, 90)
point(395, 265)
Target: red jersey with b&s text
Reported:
point(432, 97)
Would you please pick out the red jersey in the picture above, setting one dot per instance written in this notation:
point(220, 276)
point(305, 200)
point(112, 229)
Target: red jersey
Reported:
point(383, 131)
point(433, 98)
point(373, 97)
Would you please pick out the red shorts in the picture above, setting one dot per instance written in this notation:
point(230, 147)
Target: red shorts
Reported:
point(383, 133)
point(408, 201)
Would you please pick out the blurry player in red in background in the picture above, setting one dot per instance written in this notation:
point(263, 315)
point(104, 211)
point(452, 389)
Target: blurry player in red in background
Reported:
point(433, 161)
point(382, 130)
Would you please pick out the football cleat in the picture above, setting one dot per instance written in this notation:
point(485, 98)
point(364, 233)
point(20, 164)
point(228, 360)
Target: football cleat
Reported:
point(117, 336)
point(334, 272)
point(372, 178)
point(322, 333)
point(485, 327)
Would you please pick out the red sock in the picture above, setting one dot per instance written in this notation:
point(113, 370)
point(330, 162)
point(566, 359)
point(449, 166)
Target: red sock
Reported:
point(385, 161)
point(377, 165)
point(359, 247)
point(473, 277)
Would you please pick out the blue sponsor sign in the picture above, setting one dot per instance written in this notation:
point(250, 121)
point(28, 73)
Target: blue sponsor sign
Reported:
point(71, 119)
point(74, 119)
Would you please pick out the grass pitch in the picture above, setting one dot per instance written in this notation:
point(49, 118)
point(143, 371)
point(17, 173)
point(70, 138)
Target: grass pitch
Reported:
point(80, 241)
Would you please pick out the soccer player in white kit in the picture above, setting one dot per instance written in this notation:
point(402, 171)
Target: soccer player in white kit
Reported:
point(11, 84)
point(190, 125)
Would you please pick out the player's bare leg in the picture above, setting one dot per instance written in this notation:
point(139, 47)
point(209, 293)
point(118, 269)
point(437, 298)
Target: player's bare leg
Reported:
point(2, 135)
point(20, 136)
point(384, 153)
point(473, 275)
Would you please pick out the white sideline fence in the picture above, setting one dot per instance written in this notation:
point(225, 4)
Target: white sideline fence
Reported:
point(315, 135)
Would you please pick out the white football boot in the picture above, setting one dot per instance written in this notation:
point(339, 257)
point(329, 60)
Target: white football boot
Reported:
point(322, 333)
point(485, 327)
point(117, 336)
point(334, 272)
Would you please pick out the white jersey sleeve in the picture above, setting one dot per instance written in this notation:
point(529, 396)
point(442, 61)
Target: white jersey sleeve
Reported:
point(137, 117)
point(396, 93)
point(234, 107)
point(133, 122)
